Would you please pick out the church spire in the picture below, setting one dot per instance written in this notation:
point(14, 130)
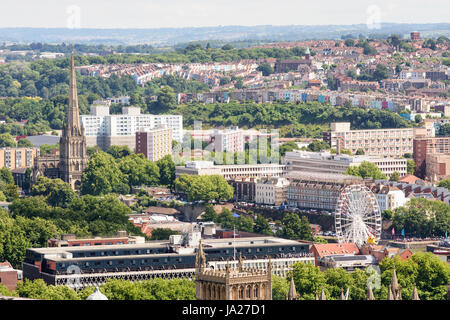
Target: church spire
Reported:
point(73, 126)
point(292, 294)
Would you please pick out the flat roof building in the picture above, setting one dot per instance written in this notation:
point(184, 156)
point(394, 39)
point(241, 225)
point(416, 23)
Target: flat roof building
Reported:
point(393, 142)
point(174, 258)
point(230, 172)
point(155, 144)
point(318, 191)
point(326, 162)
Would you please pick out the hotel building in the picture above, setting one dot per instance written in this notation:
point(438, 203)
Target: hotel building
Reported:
point(317, 190)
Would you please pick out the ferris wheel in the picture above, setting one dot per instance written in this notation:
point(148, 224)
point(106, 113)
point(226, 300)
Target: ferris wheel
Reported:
point(357, 217)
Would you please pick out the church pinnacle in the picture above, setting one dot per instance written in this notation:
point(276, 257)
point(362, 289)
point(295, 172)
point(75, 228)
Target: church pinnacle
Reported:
point(73, 126)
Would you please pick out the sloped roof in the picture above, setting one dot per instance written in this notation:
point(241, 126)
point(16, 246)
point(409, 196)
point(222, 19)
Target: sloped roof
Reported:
point(336, 249)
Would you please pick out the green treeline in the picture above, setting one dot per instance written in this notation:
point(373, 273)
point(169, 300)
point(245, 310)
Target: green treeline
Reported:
point(293, 118)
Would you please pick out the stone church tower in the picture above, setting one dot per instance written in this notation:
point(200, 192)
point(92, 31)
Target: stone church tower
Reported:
point(72, 146)
point(231, 284)
point(71, 161)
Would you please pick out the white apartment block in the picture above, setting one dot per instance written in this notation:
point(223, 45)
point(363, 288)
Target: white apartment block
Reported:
point(105, 129)
point(272, 191)
point(326, 162)
point(154, 143)
point(389, 198)
point(374, 142)
point(412, 74)
point(230, 140)
point(231, 172)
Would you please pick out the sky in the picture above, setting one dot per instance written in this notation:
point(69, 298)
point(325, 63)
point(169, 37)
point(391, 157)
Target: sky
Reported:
point(209, 13)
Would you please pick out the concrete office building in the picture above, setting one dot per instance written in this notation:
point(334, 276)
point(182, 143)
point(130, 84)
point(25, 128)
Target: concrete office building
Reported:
point(155, 143)
point(105, 129)
point(326, 162)
point(374, 142)
point(231, 172)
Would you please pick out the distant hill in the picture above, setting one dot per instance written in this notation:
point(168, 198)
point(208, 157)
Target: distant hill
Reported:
point(171, 36)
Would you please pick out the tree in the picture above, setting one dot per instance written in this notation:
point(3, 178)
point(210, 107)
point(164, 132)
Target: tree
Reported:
point(245, 224)
point(162, 234)
point(227, 47)
point(427, 271)
point(418, 118)
point(410, 166)
point(308, 280)
point(224, 81)
point(387, 214)
point(288, 147)
point(444, 130)
point(366, 170)
point(394, 41)
point(47, 148)
point(166, 99)
point(349, 42)
point(239, 84)
point(295, 228)
point(119, 151)
point(317, 146)
point(381, 72)
point(206, 188)
point(103, 176)
point(422, 218)
point(445, 183)
point(11, 192)
point(227, 220)
point(166, 167)
point(24, 143)
point(265, 68)
point(360, 152)
point(210, 214)
point(337, 279)
point(280, 288)
point(6, 140)
point(394, 176)
point(138, 170)
point(262, 226)
point(58, 192)
point(6, 175)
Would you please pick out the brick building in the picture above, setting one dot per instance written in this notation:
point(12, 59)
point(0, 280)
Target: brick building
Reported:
point(8, 275)
point(423, 146)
